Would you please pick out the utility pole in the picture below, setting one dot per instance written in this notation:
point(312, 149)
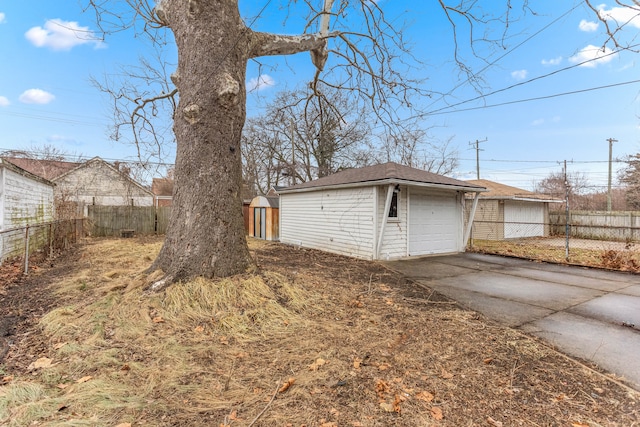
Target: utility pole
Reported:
point(566, 212)
point(611, 141)
point(476, 145)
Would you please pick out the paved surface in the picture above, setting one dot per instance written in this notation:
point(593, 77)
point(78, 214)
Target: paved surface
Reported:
point(587, 313)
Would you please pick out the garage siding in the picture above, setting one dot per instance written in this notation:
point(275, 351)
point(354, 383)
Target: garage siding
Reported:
point(488, 221)
point(394, 242)
point(338, 221)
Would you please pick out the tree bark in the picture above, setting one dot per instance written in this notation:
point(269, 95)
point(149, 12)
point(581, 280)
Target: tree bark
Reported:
point(206, 235)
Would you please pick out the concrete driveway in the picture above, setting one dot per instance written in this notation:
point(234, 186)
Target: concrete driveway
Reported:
point(590, 314)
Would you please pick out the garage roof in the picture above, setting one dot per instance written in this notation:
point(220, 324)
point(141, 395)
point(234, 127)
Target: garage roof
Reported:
point(386, 173)
point(506, 192)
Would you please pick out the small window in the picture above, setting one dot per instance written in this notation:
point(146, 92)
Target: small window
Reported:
point(393, 209)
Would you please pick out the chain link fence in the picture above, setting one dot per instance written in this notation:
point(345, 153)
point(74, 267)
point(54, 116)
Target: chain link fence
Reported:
point(43, 239)
point(595, 239)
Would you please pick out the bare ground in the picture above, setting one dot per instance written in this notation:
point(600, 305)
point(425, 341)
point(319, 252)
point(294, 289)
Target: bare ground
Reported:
point(315, 340)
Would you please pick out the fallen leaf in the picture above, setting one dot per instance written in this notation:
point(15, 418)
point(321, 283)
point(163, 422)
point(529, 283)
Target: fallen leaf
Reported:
point(125, 368)
point(329, 424)
point(579, 425)
point(383, 366)
point(43, 362)
point(493, 422)
point(398, 399)
point(62, 386)
point(387, 407)
point(425, 396)
point(436, 413)
point(224, 340)
point(316, 365)
point(286, 385)
point(382, 388)
point(357, 362)
point(357, 424)
point(199, 329)
point(488, 360)
point(124, 425)
point(446, 375)
point(7, 379)
point(84, 379)
point(233, 416)
point(158, 319)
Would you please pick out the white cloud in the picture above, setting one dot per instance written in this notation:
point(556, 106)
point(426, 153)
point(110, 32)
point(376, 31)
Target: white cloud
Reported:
point(36, 96)
point(621, 15)
point(595, 55)
point(537, 122)
point(61, 35)
point(553, 61)
point(4, 101)
point(261, 82)
point(2, 18)
point(519, 74)
point(588, 26)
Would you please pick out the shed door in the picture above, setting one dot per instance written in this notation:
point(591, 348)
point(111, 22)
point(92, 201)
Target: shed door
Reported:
point(523, 219)
point(260, 223)
point(434, 224)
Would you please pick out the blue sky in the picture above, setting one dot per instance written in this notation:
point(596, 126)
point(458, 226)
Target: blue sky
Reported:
point(49, 50)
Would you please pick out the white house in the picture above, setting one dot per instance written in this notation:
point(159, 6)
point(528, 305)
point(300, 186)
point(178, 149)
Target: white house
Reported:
point(96, 182)
point(384, 211)
point(506, 212)
point(25, 199)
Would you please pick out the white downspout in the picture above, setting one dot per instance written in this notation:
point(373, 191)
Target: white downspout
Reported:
point(472, 215)
point(387, 205)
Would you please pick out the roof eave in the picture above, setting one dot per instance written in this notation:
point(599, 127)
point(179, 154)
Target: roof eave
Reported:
point(387, 181)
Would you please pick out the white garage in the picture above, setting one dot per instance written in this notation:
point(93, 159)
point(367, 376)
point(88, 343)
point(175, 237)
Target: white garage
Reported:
point(385, 211)
point(505, 212)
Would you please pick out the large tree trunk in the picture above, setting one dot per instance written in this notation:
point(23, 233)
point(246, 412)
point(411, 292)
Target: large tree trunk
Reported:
point(206, 234)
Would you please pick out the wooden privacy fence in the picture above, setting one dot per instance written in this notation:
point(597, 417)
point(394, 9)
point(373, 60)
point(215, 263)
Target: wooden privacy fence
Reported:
point(126, 220)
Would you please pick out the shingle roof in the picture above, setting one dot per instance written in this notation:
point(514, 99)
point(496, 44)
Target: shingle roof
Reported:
point(384, 172)
point(162, 186)
point(502, 191)
point(47, 169)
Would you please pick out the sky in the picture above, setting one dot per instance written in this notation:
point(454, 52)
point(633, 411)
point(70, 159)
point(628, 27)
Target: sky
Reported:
point(548, 105)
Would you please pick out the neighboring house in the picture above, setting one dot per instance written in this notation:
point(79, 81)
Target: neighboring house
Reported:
point(25, 199)
point(384, 211)
point(264, 217)
point(506, 212)
point(162, 189)
point(94, 182)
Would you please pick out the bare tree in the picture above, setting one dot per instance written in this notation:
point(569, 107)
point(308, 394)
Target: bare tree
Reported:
point(576, 186)
point(413, 147)
point(369, 57)
point(630, 177)
point(303, 136)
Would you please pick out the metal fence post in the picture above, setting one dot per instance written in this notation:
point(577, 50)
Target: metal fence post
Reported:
point(26, 250)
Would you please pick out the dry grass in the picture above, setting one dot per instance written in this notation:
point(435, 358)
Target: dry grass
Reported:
point(536, 249)
point(360, 345)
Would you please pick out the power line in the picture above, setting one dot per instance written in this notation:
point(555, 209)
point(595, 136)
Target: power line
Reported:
point(494, 62)
point(538, 98)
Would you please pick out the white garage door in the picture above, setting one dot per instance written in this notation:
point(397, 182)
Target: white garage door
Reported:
point(434, 224)
point(523, 219)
